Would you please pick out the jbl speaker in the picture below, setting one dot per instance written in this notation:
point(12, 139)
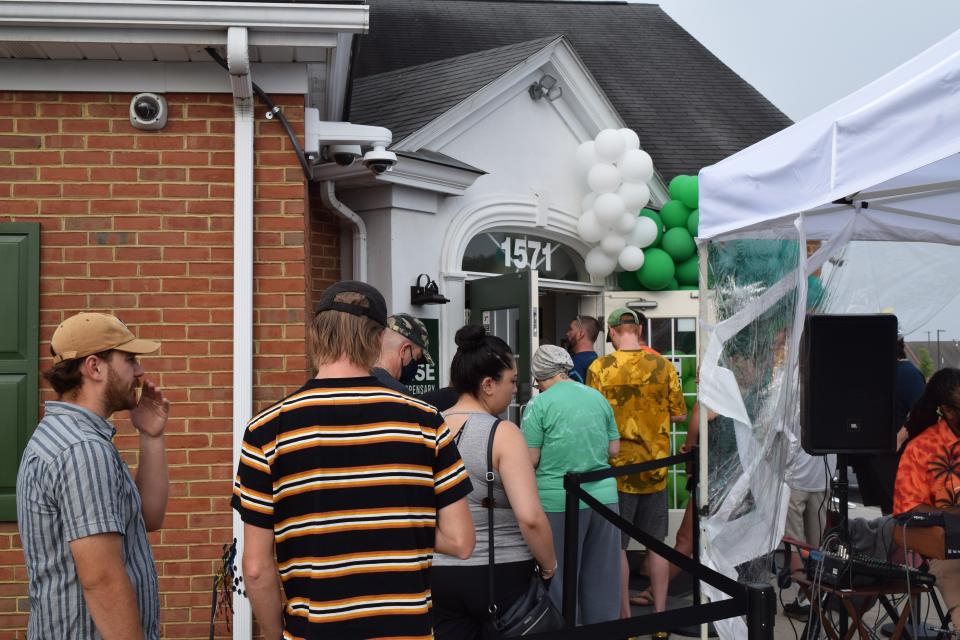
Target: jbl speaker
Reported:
point(848, 376)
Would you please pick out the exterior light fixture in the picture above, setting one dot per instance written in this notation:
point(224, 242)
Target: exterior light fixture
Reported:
point(545, 87)
point(642, 304)
point(426, 293)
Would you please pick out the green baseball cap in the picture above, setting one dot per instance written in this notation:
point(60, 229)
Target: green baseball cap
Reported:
point(614, 319)
point(413, 330)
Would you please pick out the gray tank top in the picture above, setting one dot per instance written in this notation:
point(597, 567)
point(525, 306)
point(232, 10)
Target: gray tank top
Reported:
point(510, 546)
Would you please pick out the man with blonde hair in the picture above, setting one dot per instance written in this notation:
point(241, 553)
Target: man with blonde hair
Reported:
point(354, 486)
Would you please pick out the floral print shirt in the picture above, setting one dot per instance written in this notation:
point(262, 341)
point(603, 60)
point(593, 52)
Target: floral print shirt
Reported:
point(929, 471)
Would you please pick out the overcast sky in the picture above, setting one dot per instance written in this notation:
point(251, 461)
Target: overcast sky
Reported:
point(806, 54)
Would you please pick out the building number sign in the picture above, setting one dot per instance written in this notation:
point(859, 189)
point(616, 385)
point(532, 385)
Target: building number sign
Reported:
point(521, 253)
point(496, 252)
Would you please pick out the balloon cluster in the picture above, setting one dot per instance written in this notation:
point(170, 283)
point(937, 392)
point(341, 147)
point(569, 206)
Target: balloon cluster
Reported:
point(671, 259)
point(617, 172)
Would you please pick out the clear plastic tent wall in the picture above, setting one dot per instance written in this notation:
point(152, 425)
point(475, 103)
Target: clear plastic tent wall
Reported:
point(855, 209)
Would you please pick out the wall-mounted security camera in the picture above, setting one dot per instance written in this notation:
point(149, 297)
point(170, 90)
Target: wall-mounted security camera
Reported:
point(342, 154)
point(148, 111)
point(379, 160)
point(343, 142)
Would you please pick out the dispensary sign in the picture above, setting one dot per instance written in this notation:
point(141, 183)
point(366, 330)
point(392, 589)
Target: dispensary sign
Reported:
point(427, 378)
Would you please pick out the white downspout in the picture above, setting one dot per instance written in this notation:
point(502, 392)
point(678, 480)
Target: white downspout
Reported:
point(238, 63)
point(329, 198)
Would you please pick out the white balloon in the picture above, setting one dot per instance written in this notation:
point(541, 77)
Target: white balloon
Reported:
point(613, 243)
point(588, 201)
point(631, 258)
point(635, 166)
point(644, 233)
point(603, 178)
point(609, 145)
point(630, 138)
point(589, 228)
point(635, 195)
point(599, 264)
point(626, 223)
point(608, 207)
point(586, 156)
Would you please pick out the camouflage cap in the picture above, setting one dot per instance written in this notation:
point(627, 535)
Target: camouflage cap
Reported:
point(413, 330)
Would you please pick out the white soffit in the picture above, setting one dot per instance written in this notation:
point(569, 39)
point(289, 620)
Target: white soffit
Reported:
point(171, 31)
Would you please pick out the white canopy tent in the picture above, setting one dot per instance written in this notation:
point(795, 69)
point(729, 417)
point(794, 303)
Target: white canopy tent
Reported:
point(881, 164)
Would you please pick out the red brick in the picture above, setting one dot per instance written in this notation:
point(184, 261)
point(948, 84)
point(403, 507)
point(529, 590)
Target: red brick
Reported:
point(18, 173)
point(186, 158)
point(136, 158)
point(162, 206)
point(64, 207)
point(159, 142)
point(86, 190)
point(37, 157)
point(38, 126)
point(160, 174)
point(18, 109)
point(209, 142)
point(211, 175)
point(108, 110)
point(86, 157)
point(62, 173)
point(86, 125)
point(113, 174)
point(60, 110)
point(59, 141)
point(36, 190)
point(136, 190)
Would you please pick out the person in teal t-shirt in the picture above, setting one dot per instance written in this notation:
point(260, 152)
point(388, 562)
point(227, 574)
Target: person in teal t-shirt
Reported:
point(570, 427)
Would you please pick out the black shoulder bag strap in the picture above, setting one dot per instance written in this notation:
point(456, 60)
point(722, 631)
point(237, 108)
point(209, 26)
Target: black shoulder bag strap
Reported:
point(490, 478)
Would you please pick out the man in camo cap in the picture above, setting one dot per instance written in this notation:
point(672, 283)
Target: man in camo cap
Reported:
point(405, 347)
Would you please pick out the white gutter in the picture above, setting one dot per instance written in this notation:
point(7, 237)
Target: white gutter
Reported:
point(238, 63)
point(329, 198)
point(172, 14)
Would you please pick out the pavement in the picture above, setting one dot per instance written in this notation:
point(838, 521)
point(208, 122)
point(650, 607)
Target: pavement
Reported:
point(784, 628)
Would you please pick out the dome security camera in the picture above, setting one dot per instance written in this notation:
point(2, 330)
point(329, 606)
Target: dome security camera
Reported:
point(343, 154)
point(148, 111)
point(379, 160)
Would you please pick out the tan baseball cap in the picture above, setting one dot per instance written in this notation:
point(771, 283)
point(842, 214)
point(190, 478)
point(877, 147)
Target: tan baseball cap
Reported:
point(86, 333)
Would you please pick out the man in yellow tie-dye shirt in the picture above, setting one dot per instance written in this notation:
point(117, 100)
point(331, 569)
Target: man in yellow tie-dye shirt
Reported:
point(643, 388)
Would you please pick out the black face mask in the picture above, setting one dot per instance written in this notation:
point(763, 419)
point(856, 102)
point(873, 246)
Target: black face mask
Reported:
point(408, 372)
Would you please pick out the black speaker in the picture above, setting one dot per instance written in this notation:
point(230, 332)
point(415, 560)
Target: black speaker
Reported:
point(848, 376)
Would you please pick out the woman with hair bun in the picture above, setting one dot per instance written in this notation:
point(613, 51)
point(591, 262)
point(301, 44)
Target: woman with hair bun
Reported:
point(484, 373)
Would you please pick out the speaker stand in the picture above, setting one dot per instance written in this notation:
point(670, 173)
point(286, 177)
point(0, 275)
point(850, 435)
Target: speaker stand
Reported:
point(840, 487)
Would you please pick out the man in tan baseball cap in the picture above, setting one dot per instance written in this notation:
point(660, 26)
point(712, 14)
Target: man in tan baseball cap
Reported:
point(83, 518)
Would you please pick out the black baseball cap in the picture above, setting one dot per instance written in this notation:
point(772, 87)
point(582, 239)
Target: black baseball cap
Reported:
point(375, 309)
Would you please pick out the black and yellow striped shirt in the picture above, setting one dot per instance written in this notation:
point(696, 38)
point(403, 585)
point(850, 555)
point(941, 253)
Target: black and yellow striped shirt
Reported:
point(349, 475)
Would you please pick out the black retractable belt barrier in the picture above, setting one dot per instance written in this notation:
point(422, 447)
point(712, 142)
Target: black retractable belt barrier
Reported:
point(754, 601)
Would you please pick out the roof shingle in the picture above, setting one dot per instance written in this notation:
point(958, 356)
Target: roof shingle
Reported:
point(689, 109)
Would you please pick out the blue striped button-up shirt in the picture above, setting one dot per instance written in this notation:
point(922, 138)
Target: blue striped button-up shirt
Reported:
point(73, 484)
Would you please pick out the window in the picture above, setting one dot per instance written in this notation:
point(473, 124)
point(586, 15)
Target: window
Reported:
point(19, 346)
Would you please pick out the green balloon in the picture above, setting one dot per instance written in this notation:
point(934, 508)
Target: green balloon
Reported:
point(688, 272)
point(674, 214)
point(679, 244)
point(689, 192)
point(693, 222)
point(657, 270)
point(678, 186)
point(682, 496)
point(653, 215)
point(674, 285)
point(628, 280)
point(687, 287)
point(689, 381)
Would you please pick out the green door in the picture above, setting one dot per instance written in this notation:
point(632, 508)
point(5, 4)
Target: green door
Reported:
point(507, 307)
point(19, 339)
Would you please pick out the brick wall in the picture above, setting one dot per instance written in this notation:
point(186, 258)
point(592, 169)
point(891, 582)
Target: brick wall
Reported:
point(140, 224)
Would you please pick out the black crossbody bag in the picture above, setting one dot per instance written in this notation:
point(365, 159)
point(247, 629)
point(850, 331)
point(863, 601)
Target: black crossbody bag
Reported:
point(533, 612)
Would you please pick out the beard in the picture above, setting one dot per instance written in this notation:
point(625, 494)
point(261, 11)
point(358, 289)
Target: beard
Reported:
point(120, 396)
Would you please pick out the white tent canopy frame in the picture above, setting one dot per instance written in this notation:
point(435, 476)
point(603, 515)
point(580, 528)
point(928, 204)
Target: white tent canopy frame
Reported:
point(880, 165)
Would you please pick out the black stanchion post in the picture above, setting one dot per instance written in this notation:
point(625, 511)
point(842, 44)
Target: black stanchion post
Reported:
point(571, 533)
point(761, 611)
point(692, 495)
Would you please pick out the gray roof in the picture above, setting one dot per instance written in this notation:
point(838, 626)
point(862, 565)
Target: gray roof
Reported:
point(407, 99)
point(436, 157)
point(689, 109)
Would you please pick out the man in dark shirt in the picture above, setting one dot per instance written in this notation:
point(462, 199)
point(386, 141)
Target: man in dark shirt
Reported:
point(582, 335)
point(877, 473)
point(405, 346)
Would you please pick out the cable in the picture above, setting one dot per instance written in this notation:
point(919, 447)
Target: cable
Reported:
point(783, 605)
point(272, 111)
